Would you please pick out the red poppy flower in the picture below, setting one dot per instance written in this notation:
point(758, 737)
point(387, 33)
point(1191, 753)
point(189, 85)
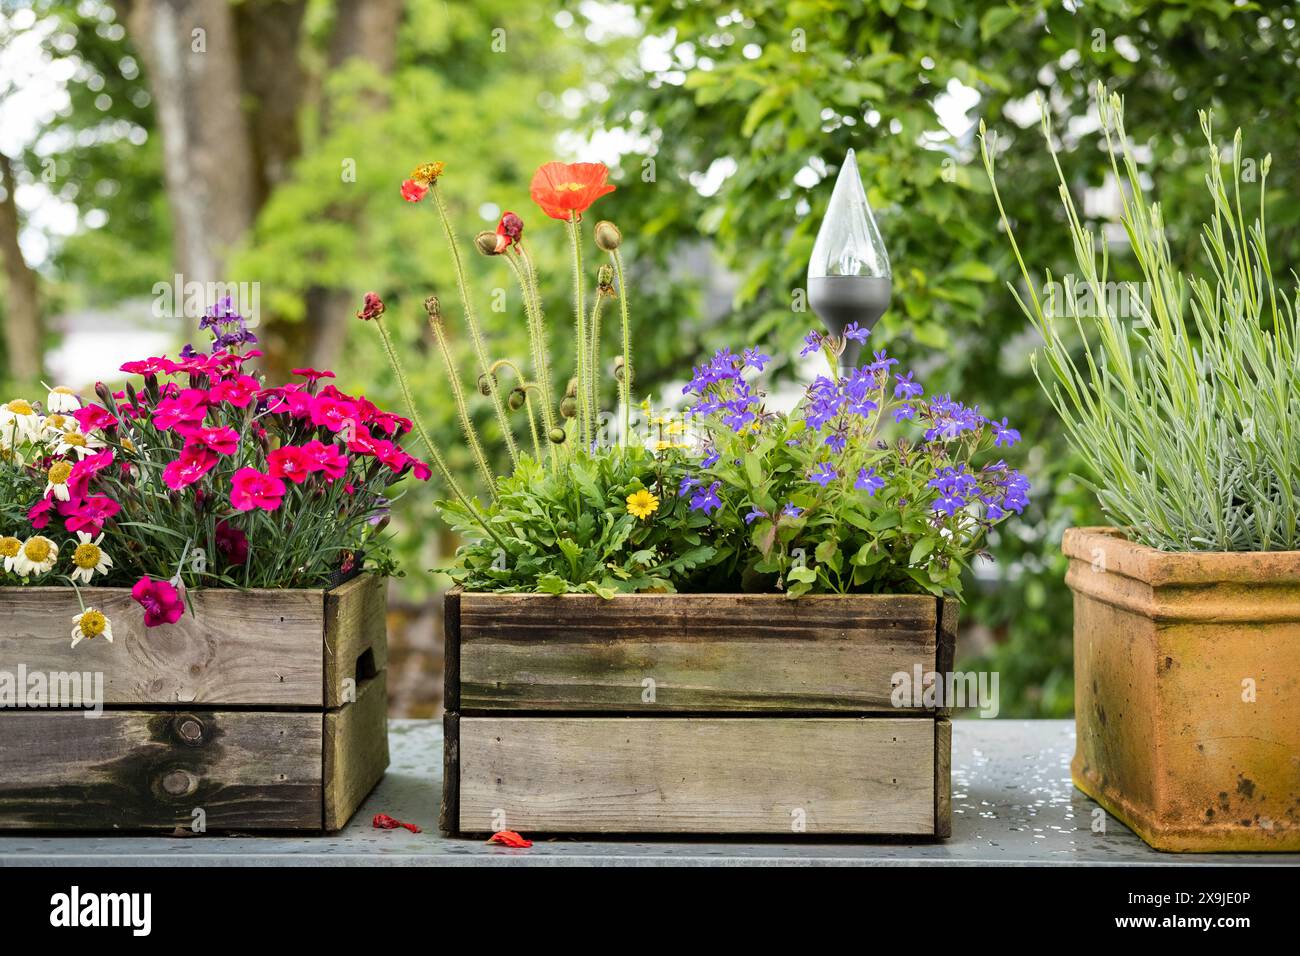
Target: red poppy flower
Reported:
point(413, 191)
point(511, 229)
point(563, 189)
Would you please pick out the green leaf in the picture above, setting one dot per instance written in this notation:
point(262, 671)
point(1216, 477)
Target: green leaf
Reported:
point(802, 572)
point(921, 550)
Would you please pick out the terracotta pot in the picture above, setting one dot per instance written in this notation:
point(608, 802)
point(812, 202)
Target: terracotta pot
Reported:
point(1187, 691)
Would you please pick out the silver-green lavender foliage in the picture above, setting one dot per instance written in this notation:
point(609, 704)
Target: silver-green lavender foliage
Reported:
point(1184, 399)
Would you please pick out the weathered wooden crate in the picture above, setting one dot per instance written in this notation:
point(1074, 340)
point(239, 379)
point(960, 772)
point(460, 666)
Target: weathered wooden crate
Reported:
point(261, 710)
point(702, 713)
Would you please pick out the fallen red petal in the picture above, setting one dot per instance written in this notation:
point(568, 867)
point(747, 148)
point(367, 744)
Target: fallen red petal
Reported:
point(383, 821)
point(510, 838)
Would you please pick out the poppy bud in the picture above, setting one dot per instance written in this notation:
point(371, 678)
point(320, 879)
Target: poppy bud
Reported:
point(517, 398)
point(572, 390)
point(556, 435)
point(432, 307)
point(569, 408)
point(607, 235)
point(490, 244)
point(484, 387)
point(618, 368)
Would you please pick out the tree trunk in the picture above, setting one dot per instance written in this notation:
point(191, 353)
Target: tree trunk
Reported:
point(23, 330)
point(191, 51)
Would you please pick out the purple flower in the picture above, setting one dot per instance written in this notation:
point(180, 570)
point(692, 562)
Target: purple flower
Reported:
point(906, 388)
point(950, 418)
point(791, 510)
point(706, 499)
point(754, 516)
point(955, 488)
point(868, 481)
point(823, 474)
point(756, 360)
point(812, 342)
point(837, 441)
point(904, 412)
point(851, 331)
point(687, 484)
point(1003, 435)
point(711, 457)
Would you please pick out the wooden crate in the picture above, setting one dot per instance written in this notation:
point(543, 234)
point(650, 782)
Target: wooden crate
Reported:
point(261, 710)
point(700, 713)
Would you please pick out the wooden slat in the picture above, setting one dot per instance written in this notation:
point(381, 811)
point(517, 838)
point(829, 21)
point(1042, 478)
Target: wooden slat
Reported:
point(356, 634)
point(356, 750)
point(244, 648)
point(449, 812)
point(151, 770)
point(942, 778)
point(673, 653)
point(795, 776)
point(451, 650)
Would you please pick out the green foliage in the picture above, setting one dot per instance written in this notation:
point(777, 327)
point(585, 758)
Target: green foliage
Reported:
point(573, 531)
point(1189, 428)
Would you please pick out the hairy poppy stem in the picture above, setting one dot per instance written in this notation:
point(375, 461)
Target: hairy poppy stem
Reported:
point(462, 407)
point(625, 384)
point(528, 404)
point(594, 374)
point(580, 335)
point(439, 462)
point(475, 335)
point(537, 340)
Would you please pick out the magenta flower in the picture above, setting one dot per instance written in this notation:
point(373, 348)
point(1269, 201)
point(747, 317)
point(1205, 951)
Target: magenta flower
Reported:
point(290, 462)
point(195, 462)
point(231, 543)
point(238, 391)
point(89, 514)
point(327, 459)
point(161, 603)
point(189, 407)
point(250, 489)
point(39, 514)
point(223, 440)
point(333, 413)
point(91, 417)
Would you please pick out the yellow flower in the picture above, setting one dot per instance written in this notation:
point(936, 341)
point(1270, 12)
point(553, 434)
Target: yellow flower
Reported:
point(37, 556)
point(9, 548)
point(91, 623)
point(58, 476)
point(426, 174)
point(642, 504)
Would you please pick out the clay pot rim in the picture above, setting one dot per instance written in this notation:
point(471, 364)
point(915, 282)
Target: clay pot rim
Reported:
point(1180, 567)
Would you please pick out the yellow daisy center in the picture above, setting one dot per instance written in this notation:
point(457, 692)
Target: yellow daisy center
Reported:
point(62, 390)
point(38, 550)
point(128, 445)
point(9, 547)
point(86, 555)
point(56, 421)
point(59, 472)
point(74, 439)
point(92, 623)
point(20, 407)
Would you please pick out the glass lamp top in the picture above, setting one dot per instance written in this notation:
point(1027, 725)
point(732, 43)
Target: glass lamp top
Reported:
point(848, 242)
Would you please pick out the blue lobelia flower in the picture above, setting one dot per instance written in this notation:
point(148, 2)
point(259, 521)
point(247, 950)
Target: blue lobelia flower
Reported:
point(823, 474)
point(869, 481)
point(706, 499)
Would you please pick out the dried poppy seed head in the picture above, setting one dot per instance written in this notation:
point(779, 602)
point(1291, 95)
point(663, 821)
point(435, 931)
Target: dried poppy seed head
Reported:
point(607, 235)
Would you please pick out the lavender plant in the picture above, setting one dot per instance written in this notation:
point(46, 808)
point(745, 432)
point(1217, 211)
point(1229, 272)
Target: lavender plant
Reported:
point(1187, 409)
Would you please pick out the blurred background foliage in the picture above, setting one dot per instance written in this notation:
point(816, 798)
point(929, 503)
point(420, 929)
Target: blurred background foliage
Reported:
point(725, 123)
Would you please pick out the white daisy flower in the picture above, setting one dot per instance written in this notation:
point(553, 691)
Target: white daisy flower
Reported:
point(36, 556)
point(57, 480)
point(75, 443)
point(57, 424)
point(62, 399)
point(9, 548)
point(19, 421)
point(91, 623)
point(89, 557)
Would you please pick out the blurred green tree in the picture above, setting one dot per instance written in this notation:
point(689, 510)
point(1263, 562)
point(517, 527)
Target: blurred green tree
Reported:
point(745, 110)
